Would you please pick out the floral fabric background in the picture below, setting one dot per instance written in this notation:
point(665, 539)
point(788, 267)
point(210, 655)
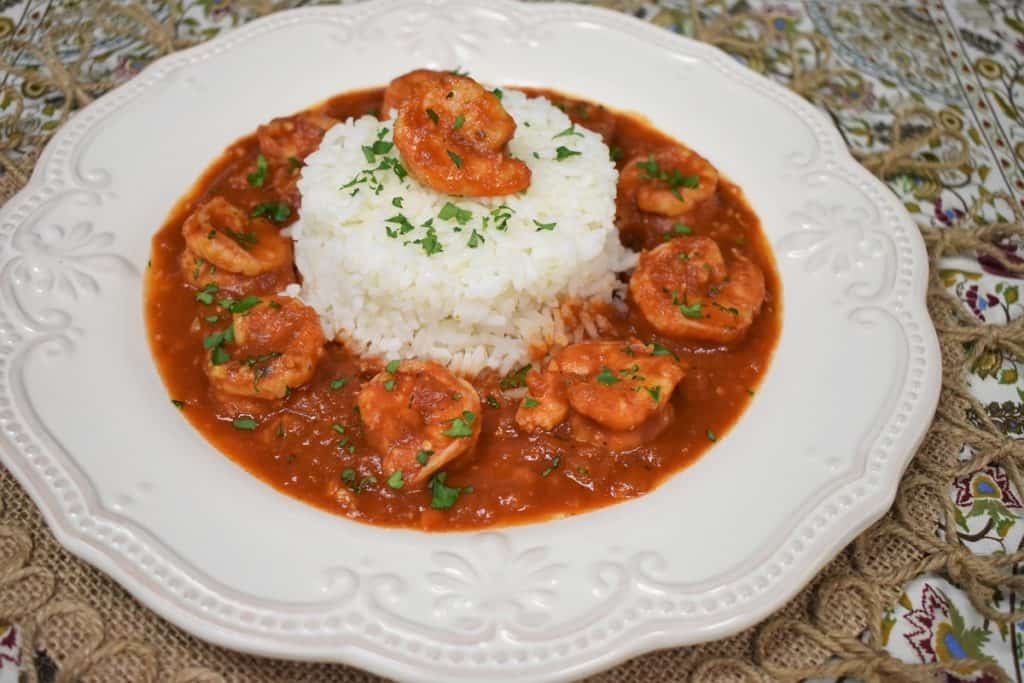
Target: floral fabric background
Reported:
point(929, 95)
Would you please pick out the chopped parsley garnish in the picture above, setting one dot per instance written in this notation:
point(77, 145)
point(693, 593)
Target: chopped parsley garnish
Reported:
point(516, 379)
point(275, 211)
point(660, 350)
point(456, 159)
point(450, 211)
point(214, 341)
point(404, 226)
point(212, 318)
point(459, 120)
point(247, 303)
point(475, 240)
point(544, 226)
point(395, 481)
point(563, 153)
point(655, 393)
point(498, 93)
point(492, 402)
point(444, 496)
point(262, 358)
point(615, 153)
point(606, 376)
point(392, 366)
point(389, 385)
point(338, 383)
point(431, 245)
point(457, 71)
point(650, 167)
point(273, 304)
point(257, 177)
point(338, 428)
point(732, 310)
point(682, 229)
point(244, 239)
point(177, 403)
point(433, 116)
point(423, 456)
point(279, 431)
point(379, 147)
point(673, 179)
point(501, 216)
point(205, 295)
point(348, 475)
point(555, 462)
point(691, 310)
point(530, 402)
point(711, 435)
point(294, 163)
point(244, 423)
point(571, 130)
point(460, 426)
point(217, 338)
point(397, 201)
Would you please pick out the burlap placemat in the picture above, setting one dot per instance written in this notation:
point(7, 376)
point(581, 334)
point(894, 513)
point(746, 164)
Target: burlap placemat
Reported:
point(76, 624)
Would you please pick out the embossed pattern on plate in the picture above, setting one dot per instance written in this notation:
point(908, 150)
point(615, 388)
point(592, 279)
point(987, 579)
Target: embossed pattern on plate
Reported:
point(87, 428)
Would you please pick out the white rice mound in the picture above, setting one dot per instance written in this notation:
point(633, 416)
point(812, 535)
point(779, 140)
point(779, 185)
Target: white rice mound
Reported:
point(469, 308)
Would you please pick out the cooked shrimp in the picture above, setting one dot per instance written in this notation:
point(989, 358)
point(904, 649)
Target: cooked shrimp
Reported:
point(293, 137)
point(200, 273)
point(223, 235)
point(420, 417)
point(588, 431)
point(670, 182)
point(452, 135)
point(619, 385)
point(547, 405)
point(404, 88)
point(276, 346)
point(685, 288)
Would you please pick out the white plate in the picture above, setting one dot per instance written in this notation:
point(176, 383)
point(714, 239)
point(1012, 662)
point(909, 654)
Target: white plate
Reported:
point(125, 482)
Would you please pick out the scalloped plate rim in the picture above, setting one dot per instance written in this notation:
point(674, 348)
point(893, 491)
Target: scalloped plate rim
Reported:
point(665, 635)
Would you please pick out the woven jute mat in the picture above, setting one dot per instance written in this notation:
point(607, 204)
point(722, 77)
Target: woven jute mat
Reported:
point(77, 625)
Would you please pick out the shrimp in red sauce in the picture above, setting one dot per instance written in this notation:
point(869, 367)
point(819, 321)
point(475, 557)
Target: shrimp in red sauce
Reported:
point(452, 135)
point(685, 288)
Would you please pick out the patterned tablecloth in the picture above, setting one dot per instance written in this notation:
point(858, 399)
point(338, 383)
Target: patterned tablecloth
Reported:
point(929, 95)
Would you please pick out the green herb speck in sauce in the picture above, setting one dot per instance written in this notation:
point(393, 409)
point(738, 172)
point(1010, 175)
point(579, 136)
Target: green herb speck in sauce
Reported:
point(275, 211)
point(257, 177)
point(244, 423)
